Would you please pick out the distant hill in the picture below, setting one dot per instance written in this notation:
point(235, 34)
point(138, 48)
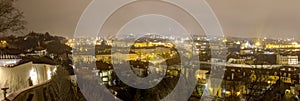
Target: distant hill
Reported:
point(37, 41)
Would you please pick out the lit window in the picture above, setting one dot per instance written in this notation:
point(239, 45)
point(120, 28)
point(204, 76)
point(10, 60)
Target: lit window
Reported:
point(105, 79)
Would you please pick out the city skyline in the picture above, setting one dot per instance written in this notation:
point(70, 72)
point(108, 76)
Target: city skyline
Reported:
point(149, 50)
point(267, 18)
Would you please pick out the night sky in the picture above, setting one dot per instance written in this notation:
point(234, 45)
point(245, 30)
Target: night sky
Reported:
point(241, 18)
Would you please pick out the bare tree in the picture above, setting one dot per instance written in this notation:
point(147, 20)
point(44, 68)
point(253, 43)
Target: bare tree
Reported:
point(11, 19)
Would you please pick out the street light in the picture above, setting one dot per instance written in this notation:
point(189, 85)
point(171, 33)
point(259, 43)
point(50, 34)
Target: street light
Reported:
point(4, 93)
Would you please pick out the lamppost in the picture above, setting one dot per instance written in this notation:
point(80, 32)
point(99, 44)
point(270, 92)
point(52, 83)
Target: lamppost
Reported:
point(4, 93)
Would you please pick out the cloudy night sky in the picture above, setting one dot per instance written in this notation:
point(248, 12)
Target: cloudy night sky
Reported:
point(242, 18)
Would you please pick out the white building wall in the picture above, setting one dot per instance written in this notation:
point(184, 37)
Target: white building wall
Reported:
point(17, 78)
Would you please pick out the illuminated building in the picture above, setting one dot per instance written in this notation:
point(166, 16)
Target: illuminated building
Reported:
point(8, 60)
point(3, 44)
point(287, 60)
point(120, 57)
point(246, 45)
point(246, 51)
point(70, 43)
point(274, 46)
